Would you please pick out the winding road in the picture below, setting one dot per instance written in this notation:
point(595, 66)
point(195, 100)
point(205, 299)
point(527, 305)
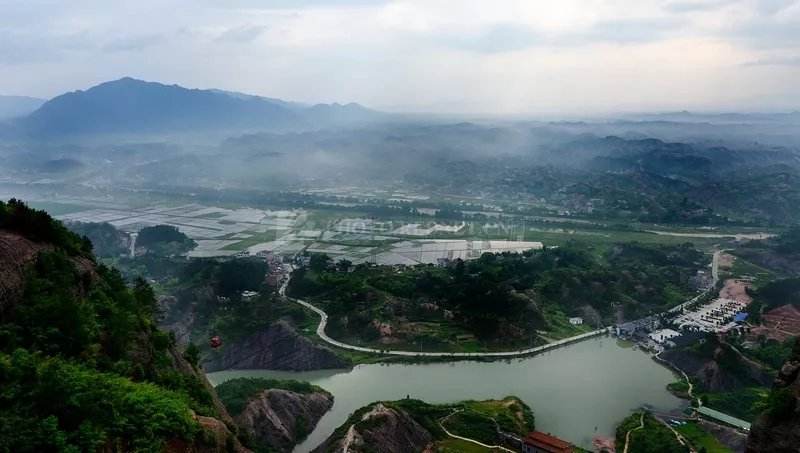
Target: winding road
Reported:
point(516, 353)
point(499, 354)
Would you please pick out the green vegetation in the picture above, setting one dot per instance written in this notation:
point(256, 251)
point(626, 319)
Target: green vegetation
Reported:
point(51, 404)
point(459, 446)
point(39, 227)
point(82, 365)
point(236, 393)
point(744, 403)
point(773, 295)
point(496, 301)
point(700, 439)
point(106, 240)
point(164, 240)
point(477, 420)
point(653, 438)
point(480, 420)
point(679, 387)
point(737, 388)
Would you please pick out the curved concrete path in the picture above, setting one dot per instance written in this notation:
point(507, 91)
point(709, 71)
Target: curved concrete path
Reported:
point(516, 353)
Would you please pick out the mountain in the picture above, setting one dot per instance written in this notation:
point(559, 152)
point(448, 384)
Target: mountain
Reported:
point(777, 429)
point(130, 106)
point(16, 106)
point(82, 365)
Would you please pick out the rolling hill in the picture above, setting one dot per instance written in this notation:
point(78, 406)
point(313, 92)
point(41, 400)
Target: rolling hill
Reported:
point(130, 106)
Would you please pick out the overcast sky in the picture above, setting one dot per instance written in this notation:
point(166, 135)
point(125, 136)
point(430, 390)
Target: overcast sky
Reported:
point(483, 56)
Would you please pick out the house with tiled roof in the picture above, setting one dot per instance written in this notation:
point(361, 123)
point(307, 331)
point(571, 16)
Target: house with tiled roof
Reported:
point(539, 442)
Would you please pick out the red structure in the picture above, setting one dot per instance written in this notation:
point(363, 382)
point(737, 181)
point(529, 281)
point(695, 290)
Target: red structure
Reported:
point(215, 341)
point(539, 442)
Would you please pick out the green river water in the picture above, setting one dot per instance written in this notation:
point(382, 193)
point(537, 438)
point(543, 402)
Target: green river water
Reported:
point(576, 392)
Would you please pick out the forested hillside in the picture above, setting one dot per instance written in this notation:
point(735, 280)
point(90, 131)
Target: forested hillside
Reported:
point(500, 300)
point(82, 365)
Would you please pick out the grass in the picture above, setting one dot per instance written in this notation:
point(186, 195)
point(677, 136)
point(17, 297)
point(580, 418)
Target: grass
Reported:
point(678, 387)
point(236, 393)
point(459, 446)
point(742, 267)
point(746, 403)
point(701, 439)
point(558, 324)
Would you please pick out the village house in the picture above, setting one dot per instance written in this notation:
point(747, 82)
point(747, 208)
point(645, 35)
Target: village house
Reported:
point(539, 442)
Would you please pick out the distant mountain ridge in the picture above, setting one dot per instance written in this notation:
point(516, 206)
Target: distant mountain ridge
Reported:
point(134, 106)
point(16, 106)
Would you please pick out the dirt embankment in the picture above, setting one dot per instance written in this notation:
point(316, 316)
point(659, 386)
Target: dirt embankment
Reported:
point(282, 418)
point(393, 430)
point(735, 289)
point(278, 347)
point(718, 367)
point(16, 254)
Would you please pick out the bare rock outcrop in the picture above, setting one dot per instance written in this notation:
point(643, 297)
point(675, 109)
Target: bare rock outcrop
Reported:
point(16, 254)
point(278, 347)
point(380, 428)
point(282, 418)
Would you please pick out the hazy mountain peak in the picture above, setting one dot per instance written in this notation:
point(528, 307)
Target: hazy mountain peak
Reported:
point(129, 105)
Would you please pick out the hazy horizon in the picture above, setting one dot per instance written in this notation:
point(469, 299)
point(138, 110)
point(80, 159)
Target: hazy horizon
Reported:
point(511, 58)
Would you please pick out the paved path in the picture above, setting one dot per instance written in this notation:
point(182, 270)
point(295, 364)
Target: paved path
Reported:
point(628, 434)
point(467, 439)
point(714, 278)
point(516, 353)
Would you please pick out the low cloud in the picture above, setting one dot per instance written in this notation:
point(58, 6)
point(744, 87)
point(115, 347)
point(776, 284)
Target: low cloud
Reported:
point(134, 43)
point(242, 34)
point(775, 61)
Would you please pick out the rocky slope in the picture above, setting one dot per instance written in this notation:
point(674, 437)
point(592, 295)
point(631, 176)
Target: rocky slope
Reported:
point(16, 254)
point(281, 418)
point(394, 430)
point(717, 366)
point(278, 347)
point(778, 428)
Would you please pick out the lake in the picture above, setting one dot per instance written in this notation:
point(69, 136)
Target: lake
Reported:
point(576, 392)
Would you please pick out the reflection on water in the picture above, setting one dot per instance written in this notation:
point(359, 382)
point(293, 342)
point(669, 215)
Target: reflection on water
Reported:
point(576, 392)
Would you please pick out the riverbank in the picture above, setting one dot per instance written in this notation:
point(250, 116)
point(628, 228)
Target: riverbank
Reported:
point(558, 385)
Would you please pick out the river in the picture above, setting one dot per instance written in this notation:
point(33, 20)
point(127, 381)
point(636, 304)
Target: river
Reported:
point(576, 392)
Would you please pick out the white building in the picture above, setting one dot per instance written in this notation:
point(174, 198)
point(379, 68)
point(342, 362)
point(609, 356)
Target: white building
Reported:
point(576, 321)
point(663, 335)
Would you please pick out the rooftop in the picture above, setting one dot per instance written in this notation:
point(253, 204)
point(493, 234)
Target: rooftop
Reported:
point(547, 442)
point(724, 418)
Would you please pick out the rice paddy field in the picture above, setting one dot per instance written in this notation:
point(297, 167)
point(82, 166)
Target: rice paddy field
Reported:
point(231, 230)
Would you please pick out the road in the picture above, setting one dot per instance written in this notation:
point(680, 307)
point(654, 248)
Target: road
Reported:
point(467, 355)
point(714, 280)
point(516, 353)
point(467, 439)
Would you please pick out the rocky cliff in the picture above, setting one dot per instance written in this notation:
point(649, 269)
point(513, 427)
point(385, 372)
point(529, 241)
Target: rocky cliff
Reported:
point(16, 254)
point(278, 347)
point(778, 428)
point(281, 418)
point(379, 428)
point(717, 366)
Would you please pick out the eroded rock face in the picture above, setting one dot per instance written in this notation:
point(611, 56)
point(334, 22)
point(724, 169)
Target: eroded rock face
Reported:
point(381, 429)
point(16, 254)
point(278, 347)
point(773, 433)
point(280, 419)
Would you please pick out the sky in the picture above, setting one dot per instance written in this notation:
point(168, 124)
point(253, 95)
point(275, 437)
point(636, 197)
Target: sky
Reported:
point(464, 56)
